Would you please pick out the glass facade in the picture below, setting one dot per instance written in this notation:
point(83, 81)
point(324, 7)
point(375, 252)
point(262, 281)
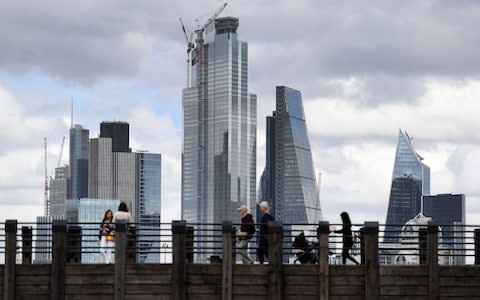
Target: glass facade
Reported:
point(58, 191)
point(119, 133)
point(79, 154)
point(410, 181)
point(89, 211)
point(288, 182)
point(148, 206)
point(219, 138)
point(448, 211)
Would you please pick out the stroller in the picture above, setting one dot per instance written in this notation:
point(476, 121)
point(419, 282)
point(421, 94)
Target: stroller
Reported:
point(306, 251)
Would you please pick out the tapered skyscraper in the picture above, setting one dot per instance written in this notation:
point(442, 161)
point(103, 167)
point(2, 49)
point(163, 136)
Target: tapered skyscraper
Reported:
point(410, 181)
point(219, 117)
point(288, 182)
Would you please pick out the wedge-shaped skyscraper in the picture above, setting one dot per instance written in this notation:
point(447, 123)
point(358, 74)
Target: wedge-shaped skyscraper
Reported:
point(288, 182)
point(410, 181)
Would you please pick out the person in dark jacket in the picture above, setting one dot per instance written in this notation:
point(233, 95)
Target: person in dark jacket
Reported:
point(247, 230)
point(347, 238)
point(262, 251)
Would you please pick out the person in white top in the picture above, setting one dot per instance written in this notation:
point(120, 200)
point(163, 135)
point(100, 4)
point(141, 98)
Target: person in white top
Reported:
point(122, 215)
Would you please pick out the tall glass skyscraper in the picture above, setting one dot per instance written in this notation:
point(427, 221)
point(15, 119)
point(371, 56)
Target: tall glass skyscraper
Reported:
point(148, 203)
point(79, 153)
point(288, 182)
point(410, 181)
point(219, 117)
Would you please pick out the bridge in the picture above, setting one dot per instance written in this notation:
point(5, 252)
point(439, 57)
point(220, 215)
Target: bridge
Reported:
point(181, 276)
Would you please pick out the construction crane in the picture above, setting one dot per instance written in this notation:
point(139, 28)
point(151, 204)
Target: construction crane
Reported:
point(45, 191)
point(61, 152)
point(199, 39)
point(190, 46)
point(212, 18)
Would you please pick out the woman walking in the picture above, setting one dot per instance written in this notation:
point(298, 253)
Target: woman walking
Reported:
point(347, 238)
point(107, 237)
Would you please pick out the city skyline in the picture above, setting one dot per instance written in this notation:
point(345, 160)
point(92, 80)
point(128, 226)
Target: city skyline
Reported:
point(360, 87)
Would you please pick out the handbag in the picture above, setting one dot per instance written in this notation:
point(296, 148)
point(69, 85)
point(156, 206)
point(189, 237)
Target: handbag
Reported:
point(110, 238)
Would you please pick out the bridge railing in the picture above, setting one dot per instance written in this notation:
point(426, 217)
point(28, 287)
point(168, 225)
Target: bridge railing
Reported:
point(204, 243)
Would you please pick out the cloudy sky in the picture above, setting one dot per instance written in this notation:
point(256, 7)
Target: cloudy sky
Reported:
point(365, 69)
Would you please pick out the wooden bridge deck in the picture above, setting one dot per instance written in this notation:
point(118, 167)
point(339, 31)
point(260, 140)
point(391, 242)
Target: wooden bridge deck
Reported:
point(204, 281)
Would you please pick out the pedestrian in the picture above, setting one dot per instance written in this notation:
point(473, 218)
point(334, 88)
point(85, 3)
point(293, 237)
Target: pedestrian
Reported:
point(245, 233)
point(347, 238)
point(122, 215)
point(262, 251)
point(107, 238)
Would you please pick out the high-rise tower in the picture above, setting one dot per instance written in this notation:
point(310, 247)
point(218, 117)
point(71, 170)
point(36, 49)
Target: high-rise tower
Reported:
point(119, 133)
point(288, 182)
point(219, 117)
point(79, 154)
point(410, 181)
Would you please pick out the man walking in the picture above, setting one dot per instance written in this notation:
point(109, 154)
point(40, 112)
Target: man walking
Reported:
point(262, 251)
point(247, 230)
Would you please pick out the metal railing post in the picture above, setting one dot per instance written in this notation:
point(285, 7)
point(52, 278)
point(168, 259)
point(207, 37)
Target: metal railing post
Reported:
point(120, 260)
point(432, 260)
point(189, 243)
point(477, 246)
point(323, 231)
point(9, 283)
point(179, 229)
point(227, 260)
point(422, 245)
point(132, 242)
point(372, 276)
point(275, 260)
point(59, 256)
point(26, 245)
point(74, 244)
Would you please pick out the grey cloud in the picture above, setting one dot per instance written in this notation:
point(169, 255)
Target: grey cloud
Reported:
point(391, 46)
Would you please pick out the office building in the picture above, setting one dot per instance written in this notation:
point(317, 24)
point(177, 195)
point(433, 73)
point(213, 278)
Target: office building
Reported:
point(59, 191)
point(448, 211)
point(89, 214)
point(119, 133)
point(219, 134)
point(149, 170)
point(410, 181)
point(112, 175)
point(79, 154)
point(288, 182)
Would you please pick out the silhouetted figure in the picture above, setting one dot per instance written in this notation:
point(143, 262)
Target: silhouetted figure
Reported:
point(347, 238)
point(262, 251)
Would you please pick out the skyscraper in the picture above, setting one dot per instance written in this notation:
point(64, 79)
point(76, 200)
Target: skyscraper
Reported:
point(288, 182)
point(119, 133)
point(448, 211)
point(134, 178)
point(219, 134)
point(79, 153)
point(59, 191)
point(410, 181)
point(112, 175)
point(149, 170)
